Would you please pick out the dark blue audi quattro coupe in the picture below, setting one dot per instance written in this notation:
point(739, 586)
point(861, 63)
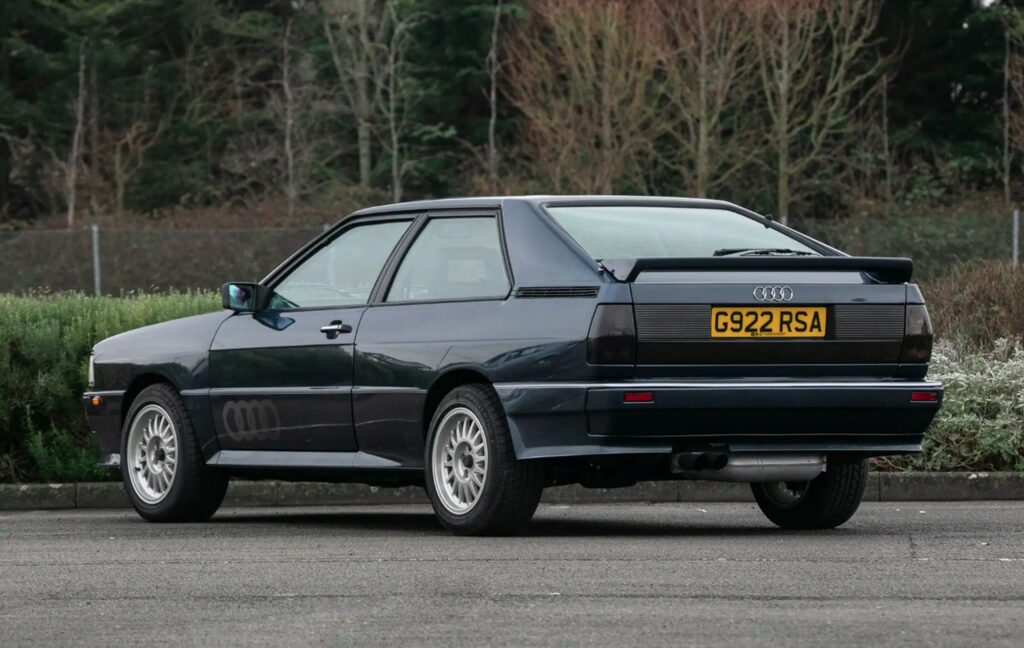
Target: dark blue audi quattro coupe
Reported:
point(486, 348)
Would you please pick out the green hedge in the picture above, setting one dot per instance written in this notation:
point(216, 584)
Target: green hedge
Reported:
point(46, 342)
point(44, 351)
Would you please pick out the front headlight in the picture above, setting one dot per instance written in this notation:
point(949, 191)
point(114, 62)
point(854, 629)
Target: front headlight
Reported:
point(92, 371)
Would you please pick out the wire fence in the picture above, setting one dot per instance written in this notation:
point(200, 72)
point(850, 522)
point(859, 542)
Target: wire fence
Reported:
point(120, 261)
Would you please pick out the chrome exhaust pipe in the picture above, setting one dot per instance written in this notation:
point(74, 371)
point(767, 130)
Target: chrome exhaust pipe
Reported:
point(748, 466)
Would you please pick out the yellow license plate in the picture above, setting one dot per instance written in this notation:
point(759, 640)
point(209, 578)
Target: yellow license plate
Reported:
point(775, 322)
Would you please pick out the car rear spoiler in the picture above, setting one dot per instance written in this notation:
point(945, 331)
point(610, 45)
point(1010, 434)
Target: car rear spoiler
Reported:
point(883, 269)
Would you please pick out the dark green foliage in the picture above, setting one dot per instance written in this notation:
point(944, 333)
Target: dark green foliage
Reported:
point(44, 351)
point(948, 85)
point(58, 457)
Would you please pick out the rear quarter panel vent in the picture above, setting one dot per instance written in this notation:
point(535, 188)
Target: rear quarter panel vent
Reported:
point(555, 292)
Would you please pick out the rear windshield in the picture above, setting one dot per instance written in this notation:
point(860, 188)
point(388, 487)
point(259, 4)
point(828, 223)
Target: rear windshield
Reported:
point(610, 232)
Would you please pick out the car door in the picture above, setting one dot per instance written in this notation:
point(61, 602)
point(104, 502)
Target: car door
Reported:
point(442, 303)
point(281, 378)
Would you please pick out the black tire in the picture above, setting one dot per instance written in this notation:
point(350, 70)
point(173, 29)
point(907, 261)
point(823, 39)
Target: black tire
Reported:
point(196, 491)
point(827, 501)
point(512, 488)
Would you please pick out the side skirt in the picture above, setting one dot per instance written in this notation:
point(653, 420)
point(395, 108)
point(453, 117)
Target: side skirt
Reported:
point(329, 467)
point(305, 460)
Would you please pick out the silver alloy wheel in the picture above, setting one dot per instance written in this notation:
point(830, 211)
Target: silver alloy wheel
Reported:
point(785, 494)
point(459, 460)
point(152, 451)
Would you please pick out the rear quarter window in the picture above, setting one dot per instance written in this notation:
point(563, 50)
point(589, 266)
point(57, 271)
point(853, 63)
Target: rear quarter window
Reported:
point(452, 258)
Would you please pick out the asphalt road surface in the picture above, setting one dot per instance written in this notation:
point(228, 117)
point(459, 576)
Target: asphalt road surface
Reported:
point(620, 575)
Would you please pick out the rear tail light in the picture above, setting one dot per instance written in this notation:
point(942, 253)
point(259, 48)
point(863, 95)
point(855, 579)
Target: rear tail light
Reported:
point(638, 397)
point(612, 337)
point(917, 336)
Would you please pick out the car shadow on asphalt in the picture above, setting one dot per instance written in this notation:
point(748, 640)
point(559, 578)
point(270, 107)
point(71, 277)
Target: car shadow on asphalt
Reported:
point(420, 523)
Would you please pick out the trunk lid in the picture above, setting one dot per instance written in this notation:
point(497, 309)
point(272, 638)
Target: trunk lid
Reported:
point(678, 303)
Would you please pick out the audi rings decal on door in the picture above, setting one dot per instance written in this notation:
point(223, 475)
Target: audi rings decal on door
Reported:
point(773, 293)
point(251, 420)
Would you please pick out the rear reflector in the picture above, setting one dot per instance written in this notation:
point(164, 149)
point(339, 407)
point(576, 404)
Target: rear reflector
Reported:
point(638, 397)
point(924, 397)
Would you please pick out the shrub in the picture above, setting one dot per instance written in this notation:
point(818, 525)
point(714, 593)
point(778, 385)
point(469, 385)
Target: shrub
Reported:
point(58, 457)
point(44, 350)
point(937, 241)
point(978, 304)
point(981, 423)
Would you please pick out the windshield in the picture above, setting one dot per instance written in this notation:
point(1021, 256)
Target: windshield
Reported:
point(637, 232)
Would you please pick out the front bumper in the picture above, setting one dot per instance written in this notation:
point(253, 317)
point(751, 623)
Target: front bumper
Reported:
point(103, 410)
point(855, 417)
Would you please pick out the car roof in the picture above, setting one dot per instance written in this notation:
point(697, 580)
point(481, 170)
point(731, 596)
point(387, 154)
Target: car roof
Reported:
point(495, 202)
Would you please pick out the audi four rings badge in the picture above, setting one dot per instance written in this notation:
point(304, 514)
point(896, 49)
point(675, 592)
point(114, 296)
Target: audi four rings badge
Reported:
point(251, 420)
point(773, 293)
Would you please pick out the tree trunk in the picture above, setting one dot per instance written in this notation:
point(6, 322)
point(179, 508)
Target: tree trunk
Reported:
point(396, 166)
point(5, 149)
point(120, 181)
point(76, 138)
point(492, 123)
point(783, 128)
point(5, 180)
point(93, 99)
point(289, 119)
point(607, 135)
point(1007, 195)
point(885, 139)
point(703, 132)
point(783, 188)
point(396, 154)
point(363, 108)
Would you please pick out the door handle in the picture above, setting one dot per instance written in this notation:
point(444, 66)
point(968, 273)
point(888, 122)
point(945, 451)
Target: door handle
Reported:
point(334, 328)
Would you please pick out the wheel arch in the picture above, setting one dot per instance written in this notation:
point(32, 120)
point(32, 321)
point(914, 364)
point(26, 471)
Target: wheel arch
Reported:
point(135, 388)
point(444, 384)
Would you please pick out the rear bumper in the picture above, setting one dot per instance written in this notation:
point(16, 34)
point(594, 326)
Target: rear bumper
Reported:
point(857, 417)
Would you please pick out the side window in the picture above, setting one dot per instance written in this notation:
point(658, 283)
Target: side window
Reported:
point(343, 272)
point(452, 258)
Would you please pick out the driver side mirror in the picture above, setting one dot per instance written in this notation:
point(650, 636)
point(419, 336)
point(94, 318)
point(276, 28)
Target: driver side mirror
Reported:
point(244, 297)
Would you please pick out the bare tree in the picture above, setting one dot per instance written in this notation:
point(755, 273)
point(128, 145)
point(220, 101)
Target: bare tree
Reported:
point(130, 146)
point(397, 92)
point(710, 74)
point(357, 32)
point(76, 138)
point(493, 68)
point(817, 63)
point(583, 75)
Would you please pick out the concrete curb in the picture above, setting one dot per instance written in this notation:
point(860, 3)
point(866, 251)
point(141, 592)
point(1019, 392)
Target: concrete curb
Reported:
point(882, 487)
